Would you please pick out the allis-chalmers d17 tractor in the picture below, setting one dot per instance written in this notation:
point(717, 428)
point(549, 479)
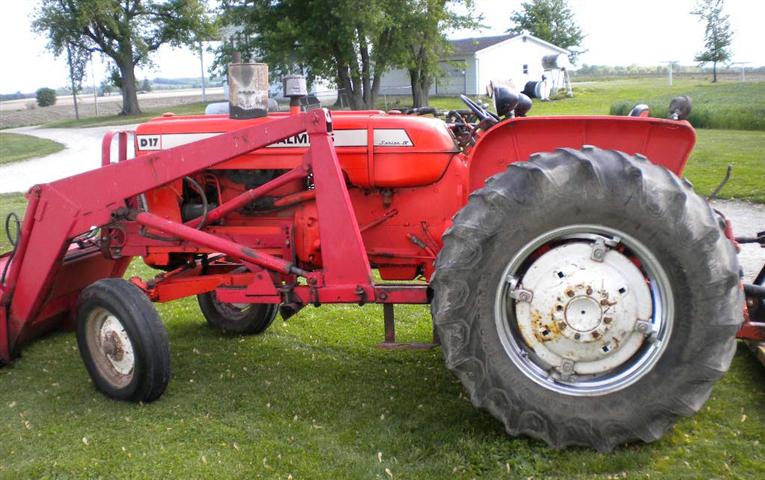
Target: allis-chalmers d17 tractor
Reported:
point(580, 289)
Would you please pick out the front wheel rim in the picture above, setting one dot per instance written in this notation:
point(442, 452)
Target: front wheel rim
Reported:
point(584, 310)
point(110, 347)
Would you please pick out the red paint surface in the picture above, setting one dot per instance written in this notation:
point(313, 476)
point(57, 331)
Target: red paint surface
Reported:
point(402, 195)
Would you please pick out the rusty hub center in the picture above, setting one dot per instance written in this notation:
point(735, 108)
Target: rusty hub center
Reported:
point(583, 314)
point(113, 346)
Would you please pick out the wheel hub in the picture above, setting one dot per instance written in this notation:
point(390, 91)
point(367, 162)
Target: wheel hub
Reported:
point(116, 346)
point(578, 312)
point(585, 315)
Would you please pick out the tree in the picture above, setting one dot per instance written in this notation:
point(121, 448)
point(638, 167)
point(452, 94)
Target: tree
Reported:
point(106, 87)
point(77, 60)
point(425, 43)
point(717, 34)
point(45, 97)
point(550, 20)
point(126, 31)
point(146, 85)
point(352, 41)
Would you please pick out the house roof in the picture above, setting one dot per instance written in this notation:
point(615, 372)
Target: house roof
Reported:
point(464, 46)
point(470, 46)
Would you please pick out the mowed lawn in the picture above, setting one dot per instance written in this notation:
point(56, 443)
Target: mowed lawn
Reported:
point(313, 398)
point(15, 147)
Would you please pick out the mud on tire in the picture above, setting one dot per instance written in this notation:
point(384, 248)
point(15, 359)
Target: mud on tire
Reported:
point(594, 187)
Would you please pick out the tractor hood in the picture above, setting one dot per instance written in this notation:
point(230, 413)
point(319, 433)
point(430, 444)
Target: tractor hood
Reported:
point(375, 149)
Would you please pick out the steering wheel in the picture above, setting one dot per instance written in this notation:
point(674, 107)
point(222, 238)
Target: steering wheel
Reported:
point(480, 112)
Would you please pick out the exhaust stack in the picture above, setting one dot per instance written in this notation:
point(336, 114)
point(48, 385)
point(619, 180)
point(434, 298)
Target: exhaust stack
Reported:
point(248, 90)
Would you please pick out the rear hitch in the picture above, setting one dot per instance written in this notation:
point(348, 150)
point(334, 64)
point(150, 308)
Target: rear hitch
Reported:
point(291, 303)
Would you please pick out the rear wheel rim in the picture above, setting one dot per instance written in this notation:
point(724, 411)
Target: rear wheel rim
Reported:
point(110, 347)
point(584, 310)
point(236, 312)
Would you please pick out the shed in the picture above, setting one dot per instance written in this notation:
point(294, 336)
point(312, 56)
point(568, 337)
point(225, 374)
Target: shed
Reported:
point(476, 61)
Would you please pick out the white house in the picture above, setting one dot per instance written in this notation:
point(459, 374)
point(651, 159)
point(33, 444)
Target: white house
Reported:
point(476, 61)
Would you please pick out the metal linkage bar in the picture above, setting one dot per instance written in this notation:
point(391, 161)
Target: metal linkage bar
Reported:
point(106, 146)
point(218, 244)
point(246, 197)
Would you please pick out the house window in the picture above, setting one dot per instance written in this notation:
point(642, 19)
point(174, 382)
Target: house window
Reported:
point(525, 68)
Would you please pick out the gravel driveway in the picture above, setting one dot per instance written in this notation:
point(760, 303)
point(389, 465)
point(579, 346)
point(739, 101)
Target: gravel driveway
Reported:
point(83, 153)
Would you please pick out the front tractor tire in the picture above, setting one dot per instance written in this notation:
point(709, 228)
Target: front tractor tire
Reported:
point(122, 341)
point(587, 298)
point(246, 319)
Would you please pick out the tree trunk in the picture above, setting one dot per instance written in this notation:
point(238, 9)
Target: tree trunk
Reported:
point(376, 82)
point(420, 87)
point(366, 85)
point(350, 88)
point(714, 72)
point(129, 92)
point(71, 78)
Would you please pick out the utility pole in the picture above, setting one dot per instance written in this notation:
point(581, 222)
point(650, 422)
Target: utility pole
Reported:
point(93, 75)
point(670, 64)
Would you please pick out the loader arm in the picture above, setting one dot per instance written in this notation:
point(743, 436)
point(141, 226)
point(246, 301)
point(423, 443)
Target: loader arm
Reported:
point(54, 270)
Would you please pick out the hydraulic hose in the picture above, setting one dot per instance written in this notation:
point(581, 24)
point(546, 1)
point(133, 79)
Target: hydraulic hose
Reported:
point(14, 241)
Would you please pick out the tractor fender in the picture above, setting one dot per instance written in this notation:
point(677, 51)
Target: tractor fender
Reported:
point(665, 142)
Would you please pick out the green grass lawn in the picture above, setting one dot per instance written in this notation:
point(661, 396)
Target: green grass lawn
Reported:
point(734, 105)
point(15, 147)
point(313, 398)
point(187, 109)
point(715, 149)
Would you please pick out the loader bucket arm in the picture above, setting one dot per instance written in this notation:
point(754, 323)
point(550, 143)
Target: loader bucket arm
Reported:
point(48, 270)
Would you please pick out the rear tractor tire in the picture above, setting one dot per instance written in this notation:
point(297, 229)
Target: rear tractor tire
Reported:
point(122, 341)
point(247, 319)
point(587, 298)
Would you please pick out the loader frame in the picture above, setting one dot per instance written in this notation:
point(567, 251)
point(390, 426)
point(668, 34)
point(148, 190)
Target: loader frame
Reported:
point(106, 199)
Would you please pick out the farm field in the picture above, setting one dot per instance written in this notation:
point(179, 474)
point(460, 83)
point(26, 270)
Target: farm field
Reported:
point(14, 114)
point(313, 398)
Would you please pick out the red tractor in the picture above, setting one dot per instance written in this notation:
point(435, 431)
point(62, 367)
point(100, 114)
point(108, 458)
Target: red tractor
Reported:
point(580, 289)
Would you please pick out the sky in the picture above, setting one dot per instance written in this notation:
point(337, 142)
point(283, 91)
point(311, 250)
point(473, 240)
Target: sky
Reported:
point(618, 32)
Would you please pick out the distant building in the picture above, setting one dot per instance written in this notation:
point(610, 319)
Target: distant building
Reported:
point(476, 61)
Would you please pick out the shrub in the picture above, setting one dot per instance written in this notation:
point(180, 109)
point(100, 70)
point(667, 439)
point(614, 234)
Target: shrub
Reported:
point(46, 97)
point(704, 116)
